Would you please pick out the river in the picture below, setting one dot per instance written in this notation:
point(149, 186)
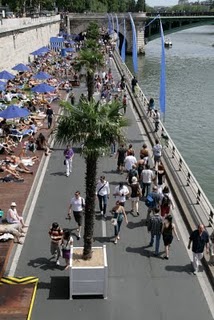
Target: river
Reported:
point(189, 114)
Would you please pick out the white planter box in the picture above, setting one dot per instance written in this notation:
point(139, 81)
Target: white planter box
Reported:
point(89, 280)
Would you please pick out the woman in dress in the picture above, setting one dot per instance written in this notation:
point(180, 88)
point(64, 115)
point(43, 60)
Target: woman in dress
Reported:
point(119, 213)
point(168, 230)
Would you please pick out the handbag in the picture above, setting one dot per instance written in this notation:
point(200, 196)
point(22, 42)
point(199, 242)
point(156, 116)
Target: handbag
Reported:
point(114, 221)
point(64, 162)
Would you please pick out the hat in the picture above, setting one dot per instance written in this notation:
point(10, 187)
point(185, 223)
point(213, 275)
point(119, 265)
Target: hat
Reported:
point(13, 204)
point(134, 179)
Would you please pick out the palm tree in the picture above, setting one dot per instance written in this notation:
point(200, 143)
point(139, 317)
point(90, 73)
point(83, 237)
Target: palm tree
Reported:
point(94, 126)
point(92, 59)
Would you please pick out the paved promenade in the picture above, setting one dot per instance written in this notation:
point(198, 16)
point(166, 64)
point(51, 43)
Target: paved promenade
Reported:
point(141, 286)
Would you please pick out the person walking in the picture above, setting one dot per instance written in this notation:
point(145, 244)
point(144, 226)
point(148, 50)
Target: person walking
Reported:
point(49, 114)
point(155, 227)
point(67, 242)
point(119, 214)
point(133, 84)
point(129, 161)
point(77, 204)
point(157, 152)
point(68, 154)
point(168, 229)
point(103, 192)
point(55, 233)
point(152, 201)
point(120, 156)
point(135, 194)
point(146, 178)
point(120, 193)
point(199, 239)
point(156, 118)
point(166, 202)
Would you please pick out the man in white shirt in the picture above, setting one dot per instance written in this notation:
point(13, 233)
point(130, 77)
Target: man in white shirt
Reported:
point(129, 161)
point(78, 204)
point(147, 175)
point(102, 192)
point(120, 193)
point(157, 152)
point(156, 119)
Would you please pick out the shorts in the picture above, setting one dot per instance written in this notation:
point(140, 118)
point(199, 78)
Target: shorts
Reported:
point(78, 216)
point(66, 254)
point(135, 199)
point(157, 158)
point(120, 162)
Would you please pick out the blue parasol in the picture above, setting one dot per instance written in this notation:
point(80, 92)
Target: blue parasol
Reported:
point(21, 67)
point(14, 111)
point(42, 88)
point(6, 75)
point(40, 51)
point(70, 49)
point(42, 76)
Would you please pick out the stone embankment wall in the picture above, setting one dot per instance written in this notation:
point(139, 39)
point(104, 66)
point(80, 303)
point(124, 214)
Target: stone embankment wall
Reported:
point(15, 46)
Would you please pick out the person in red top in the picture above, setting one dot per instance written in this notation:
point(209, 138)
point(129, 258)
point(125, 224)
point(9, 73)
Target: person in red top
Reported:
point(55, 234)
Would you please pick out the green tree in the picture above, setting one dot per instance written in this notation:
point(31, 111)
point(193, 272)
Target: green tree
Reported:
point(94, 126)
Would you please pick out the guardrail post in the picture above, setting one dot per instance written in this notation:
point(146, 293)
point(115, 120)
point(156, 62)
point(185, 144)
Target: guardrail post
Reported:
point(198, 198)
point(173, 152)
point(211, 217)
point(188, 179)
point(180, 164)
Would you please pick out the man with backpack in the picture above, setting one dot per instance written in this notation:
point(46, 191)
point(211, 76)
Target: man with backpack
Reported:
point(132, 173)
point(55, 234)
point(152, 201)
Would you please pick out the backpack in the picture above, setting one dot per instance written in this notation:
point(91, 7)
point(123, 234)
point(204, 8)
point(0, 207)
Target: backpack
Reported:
point(165, 201)
point(150, 201)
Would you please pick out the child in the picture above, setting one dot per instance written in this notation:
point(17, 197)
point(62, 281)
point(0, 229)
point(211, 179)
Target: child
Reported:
point(67, 241)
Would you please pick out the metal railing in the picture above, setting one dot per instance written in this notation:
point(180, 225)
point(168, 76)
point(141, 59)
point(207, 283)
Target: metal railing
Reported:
point(193, 193)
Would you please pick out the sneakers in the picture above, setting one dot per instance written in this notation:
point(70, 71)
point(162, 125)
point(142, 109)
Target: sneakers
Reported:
point(78, 237)
point(57, 263)
point(101, 212)
point(115, 241)
point(138, 214)
point(118, 237)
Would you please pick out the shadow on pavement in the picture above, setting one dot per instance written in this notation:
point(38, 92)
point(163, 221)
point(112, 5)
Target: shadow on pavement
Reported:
point(140, 250)
point(44, 264)
point(179, 268)
point(138, 224)
point(60, 173)
point(104, 239)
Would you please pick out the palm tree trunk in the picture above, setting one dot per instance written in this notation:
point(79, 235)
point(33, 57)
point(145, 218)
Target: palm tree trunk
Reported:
point(90, 85)
point(91, 173)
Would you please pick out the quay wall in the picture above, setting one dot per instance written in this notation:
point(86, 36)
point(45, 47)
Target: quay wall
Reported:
point(17, 41)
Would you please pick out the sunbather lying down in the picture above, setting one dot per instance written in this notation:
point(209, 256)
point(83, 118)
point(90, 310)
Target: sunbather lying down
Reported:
point(9, 175)
point(14, 164)
point(10, 229)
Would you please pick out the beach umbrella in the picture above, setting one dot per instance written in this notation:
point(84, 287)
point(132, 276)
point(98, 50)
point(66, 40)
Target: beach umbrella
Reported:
point(14, 111)
point(42, 88)
point(40, 51)
point(2, 83)
point(2, 87)
point(5, 75)
point(70, 49)
point(42, 76)
point(21, 67)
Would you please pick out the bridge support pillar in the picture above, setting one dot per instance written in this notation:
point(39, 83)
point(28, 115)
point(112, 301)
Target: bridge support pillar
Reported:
point(140, 33)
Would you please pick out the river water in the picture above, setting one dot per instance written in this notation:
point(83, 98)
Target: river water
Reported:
point(189, 117)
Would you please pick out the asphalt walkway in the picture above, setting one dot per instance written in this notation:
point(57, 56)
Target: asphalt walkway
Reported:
point(141, 286)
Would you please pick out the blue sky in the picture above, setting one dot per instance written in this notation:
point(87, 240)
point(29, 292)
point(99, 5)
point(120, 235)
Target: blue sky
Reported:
point(161, 2)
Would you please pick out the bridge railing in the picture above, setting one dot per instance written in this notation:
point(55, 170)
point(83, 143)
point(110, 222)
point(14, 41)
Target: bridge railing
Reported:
point(196, 201)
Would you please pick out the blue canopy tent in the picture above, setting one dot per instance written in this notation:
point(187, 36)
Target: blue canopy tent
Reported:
point(2, 83)
point(21, 67)
point(14, 111)
point(5, 75)
point(42, 88)
point(42, 76)
point(57, 43)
